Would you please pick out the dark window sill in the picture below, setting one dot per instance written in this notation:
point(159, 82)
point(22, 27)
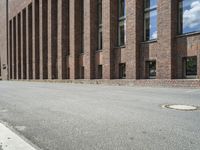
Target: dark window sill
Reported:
point(188, 34)
point(123, 46)
point(191, 77)
point(151, 78)
point(150, 41)
point(81, 54)
point(99, 50)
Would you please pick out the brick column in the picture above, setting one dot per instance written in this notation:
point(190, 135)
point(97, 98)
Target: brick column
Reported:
point(21, 26)
point(19, 44)
point(13, 65)
point(109, 19)
point(135, 26)
point(87, 39)
point(90, 37)
point(52, 39)
point(49, 39)
point(27, 43)
point(33, 39)
point(36, 54)
point(74, 38)
point(17, 48)
point(165, 39)
point(43, 39)
point(23, 43)
point(63, 37)
point(10, 49)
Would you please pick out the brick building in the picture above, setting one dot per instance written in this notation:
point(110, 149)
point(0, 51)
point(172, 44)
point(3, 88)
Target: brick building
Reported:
point(99, 39)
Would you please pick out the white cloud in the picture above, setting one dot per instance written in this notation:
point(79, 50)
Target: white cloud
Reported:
point(155, 35)
point(191, 17)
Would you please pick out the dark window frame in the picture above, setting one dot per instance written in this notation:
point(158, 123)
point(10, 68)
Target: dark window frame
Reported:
point(149, 10)
point(100, 29)
point(121, 23)
point(186, 73)
point(82, 72)
point(100, 71)
point(150, 75)
point(180, 21)
point(122, 71)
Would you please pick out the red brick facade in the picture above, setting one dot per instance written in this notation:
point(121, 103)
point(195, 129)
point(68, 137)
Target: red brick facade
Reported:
point(45, 38)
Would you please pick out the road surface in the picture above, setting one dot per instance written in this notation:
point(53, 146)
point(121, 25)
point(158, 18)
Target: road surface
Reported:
point(59, 116)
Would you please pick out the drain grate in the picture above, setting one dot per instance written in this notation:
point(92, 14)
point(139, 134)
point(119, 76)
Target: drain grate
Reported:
point(181, 107)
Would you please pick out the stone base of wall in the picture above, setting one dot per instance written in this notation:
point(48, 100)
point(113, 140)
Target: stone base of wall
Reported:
point(180, 83)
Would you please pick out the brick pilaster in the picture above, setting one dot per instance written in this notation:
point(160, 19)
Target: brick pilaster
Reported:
point(17, 49)
point(132, 49)
point(36, 54)
point(63, 37)
point(165, 40)
point(52, 39)
point(74, 7)
point(43, 38)
point(13, 65)
point(27, 43)
point(10, 49)
point(109, 41)
point(90, 38)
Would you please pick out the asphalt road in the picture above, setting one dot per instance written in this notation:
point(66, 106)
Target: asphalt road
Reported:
point(58, 116)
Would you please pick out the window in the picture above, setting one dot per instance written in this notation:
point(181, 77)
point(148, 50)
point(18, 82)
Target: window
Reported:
point(190, 67)
point(82, 26)
point(151, 69)
point(189, 20)
point(100, 70)
point(121, 22)
point(150, 20)
point(68, 73)
point(122, 71)
point(82, 72)
point(100, 37)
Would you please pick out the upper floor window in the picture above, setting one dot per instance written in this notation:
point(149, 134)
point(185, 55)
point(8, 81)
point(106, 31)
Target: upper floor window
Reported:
point(100, 33)
point(189, 20)
point(150, 20)
point(121, 22)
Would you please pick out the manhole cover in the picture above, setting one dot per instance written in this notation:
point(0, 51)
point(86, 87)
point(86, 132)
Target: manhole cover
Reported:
point(181, 107)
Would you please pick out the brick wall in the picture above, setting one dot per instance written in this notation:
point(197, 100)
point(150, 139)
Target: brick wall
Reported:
point(45, 40)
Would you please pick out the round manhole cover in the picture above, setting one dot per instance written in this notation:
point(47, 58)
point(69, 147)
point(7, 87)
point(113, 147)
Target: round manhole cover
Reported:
point(181, 107)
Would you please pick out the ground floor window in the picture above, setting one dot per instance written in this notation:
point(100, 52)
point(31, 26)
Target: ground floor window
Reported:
point(68, 73)
point(151, 69)
point(122, 70)
point(100, 70)
point(190, 67)
point(82, 70)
